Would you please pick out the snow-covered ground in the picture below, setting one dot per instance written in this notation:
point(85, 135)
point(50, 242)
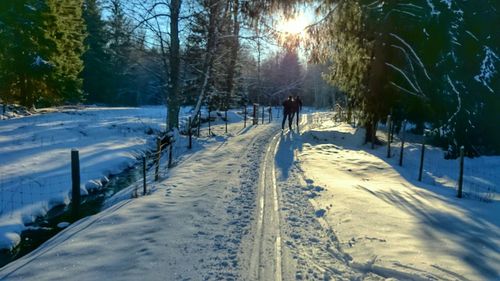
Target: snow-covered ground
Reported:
point(35, 153)
point(35, 156)
point(189, 227)
point(389, 223)
point(255, 204)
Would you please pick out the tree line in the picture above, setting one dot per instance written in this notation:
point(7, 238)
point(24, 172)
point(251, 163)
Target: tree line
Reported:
point(433, 63)
point(55, 52)
point(117, 52)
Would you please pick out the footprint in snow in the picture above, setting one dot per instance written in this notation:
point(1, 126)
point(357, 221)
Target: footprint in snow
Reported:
point(320, 213)
point(318, 189)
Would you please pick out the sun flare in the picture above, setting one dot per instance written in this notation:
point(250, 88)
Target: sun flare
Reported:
point(296, 25)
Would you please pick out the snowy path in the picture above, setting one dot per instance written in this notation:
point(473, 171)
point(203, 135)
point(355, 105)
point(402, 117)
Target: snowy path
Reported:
point(232, 211)
point(290, 241)
point(383, 221)
point(266, 261)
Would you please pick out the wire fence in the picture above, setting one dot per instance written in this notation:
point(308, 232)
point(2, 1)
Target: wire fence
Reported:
point(32, 181)
point(39, 190)
point(478, 178)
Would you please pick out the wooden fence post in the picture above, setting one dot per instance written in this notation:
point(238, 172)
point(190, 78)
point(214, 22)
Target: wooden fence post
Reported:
point(245, 113)
point(199, 124)
point(263, 115)
point(144, 175)
point(170, 156)
point(461, 172)
point(402, 144)
point(255, 115)
point(388, 124)
point(157, 158)
point(422, 160)
point(75, 180)
point(374, 133)
point(209, 124)
point(190, 134)
point(225, 117)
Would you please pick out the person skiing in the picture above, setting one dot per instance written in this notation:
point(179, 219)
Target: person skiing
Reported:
point(297, 104)
point(288, 105)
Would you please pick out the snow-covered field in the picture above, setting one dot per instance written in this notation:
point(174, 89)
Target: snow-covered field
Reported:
point(35, 153)
point(189, 227)
point(35, 156)
point(393, 225)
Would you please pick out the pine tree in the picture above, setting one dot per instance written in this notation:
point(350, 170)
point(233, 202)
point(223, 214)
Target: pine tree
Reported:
point(27, 51)
point(68, 31)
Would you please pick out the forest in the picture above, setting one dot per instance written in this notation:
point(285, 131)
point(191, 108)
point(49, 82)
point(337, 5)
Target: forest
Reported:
point(430, 63)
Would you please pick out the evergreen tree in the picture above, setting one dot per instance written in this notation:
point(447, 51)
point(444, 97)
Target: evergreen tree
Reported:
point(193, 55)
point(97, 75)
point(68, 32)
point(432, 63)
point(121, 48)
point(26, 52)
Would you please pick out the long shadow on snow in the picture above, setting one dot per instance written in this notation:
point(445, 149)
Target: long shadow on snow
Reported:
point(285, 155)
point(473, 232)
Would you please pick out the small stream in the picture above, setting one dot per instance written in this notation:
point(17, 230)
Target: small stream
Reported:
point(45, 227)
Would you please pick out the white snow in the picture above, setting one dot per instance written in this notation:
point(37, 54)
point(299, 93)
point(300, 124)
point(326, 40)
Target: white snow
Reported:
point(434, 12)
point(63, 224)
point(488, 70)
point(472, 35)
point(35, 172)
point(345, 211)
point(420, 63)
point(391, 224)
point(35, 153)
point(189, 227)
point(447, 2)
point(39, 61)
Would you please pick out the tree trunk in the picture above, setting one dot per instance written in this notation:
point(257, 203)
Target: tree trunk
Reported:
point(234, 54)
point(173, 82)
point(370, 131)
point(209, 56)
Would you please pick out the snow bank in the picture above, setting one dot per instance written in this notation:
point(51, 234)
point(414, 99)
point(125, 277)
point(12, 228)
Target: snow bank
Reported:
point(393, 225)
point(35, 157)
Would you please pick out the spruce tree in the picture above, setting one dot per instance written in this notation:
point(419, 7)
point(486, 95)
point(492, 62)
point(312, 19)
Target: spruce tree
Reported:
point(97, 73)
point(68, 31)
point(120, 46)
point(27, 51)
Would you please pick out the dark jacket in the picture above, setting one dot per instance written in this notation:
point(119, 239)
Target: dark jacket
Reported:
point(298, 104)
point(288, 106)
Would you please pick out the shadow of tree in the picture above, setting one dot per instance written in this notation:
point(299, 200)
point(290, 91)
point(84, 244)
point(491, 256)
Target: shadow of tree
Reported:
point(475, 235)
point(475, 230)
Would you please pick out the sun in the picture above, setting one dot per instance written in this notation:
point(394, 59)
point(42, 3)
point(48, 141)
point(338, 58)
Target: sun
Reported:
point(294, 26)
